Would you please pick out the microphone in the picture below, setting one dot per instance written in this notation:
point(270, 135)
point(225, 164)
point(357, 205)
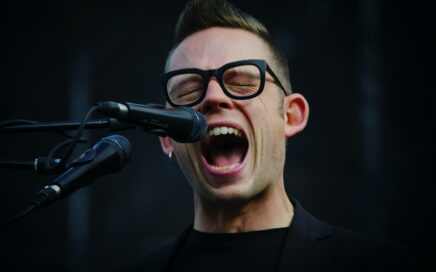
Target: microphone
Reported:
point(183, 124)
point(108, 155)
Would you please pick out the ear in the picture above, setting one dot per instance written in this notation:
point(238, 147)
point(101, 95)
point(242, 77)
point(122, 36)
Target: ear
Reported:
point(296, 114)
point(166, 144)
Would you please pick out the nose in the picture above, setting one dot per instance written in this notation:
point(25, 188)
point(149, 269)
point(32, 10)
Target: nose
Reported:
point(215, 98)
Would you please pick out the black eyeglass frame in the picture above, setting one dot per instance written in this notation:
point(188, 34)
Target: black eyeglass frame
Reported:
point(262, 65)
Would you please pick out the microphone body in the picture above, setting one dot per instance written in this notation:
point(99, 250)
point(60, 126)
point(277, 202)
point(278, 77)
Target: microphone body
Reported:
point(183, 124)
point(108, 155)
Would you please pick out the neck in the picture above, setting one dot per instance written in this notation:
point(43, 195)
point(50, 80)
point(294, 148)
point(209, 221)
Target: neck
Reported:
point(268, 210)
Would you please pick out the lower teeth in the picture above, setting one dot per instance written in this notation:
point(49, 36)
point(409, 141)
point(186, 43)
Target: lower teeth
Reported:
point(227, 167)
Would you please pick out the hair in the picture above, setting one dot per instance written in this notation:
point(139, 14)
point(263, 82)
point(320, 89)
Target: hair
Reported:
point(202, 14)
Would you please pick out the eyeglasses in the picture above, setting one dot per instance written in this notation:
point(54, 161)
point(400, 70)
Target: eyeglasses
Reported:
point(242, 79)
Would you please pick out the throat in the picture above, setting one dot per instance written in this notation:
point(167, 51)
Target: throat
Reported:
point(262, 212)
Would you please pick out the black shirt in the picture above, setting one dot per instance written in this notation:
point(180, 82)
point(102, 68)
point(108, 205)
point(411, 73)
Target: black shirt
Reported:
point(308, 245)
point(245, 251)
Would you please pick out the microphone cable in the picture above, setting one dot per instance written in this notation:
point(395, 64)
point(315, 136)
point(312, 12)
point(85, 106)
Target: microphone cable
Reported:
point(71, 142)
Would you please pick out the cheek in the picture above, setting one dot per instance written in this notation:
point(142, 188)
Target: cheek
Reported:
point(270, 104)
point(273, 138)
point(182, 154)
point(266, 120)
point(185, 154)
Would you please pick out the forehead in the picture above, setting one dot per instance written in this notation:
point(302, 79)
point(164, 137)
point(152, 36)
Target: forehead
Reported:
point(214, 47)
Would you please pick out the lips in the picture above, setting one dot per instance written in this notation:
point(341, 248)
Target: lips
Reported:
point(224, 148)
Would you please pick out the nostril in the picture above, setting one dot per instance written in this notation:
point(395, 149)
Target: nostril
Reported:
point(224, 105)
point(207, 108)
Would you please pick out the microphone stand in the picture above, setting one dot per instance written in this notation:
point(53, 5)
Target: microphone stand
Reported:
point(38, 165)
point(111, 123)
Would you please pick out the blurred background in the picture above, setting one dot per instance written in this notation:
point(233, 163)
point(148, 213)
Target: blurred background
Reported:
point(365, 161)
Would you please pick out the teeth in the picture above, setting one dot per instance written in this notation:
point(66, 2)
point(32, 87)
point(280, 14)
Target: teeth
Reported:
point(227, 167)
point(216, 131)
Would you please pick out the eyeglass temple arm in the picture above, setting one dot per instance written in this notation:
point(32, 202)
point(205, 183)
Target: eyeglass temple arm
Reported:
point(276, 79)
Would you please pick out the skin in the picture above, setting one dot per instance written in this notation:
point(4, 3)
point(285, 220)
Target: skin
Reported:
point(254, 197)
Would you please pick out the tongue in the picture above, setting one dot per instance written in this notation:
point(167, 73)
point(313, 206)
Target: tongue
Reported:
point(226, 157)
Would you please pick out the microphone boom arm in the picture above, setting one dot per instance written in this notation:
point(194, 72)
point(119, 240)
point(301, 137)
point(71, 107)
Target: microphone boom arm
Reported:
point(111, 123)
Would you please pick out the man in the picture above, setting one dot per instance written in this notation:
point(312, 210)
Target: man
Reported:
point(225, 65)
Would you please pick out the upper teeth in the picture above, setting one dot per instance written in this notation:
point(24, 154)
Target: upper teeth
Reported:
point(216, 131)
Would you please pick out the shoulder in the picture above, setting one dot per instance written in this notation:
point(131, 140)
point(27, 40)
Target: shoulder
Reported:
point(347, 250)
point(369, 253)
point(350, 239)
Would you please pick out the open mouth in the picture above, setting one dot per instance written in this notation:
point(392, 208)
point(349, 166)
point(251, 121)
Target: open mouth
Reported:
point(224, 148)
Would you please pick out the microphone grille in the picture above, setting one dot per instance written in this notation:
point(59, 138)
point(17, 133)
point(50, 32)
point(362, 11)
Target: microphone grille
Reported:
point(199, 127)
point(122, 146)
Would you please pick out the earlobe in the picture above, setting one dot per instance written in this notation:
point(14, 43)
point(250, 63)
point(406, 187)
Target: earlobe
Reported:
point(166, 144)
point(296, 114)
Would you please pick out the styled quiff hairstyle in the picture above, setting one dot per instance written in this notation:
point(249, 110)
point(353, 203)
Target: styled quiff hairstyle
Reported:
point(202, 14)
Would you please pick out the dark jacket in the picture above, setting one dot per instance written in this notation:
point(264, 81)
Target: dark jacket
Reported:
point(311, 245)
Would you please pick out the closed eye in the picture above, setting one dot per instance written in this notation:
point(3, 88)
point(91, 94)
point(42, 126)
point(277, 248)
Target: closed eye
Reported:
point(187, 92)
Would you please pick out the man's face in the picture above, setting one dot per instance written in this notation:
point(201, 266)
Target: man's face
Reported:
point(245, 154)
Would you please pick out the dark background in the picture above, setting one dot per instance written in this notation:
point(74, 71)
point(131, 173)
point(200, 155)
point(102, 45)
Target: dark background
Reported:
point(364, 162)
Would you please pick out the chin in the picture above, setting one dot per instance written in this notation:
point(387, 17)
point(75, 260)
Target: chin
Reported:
point(234, 193)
